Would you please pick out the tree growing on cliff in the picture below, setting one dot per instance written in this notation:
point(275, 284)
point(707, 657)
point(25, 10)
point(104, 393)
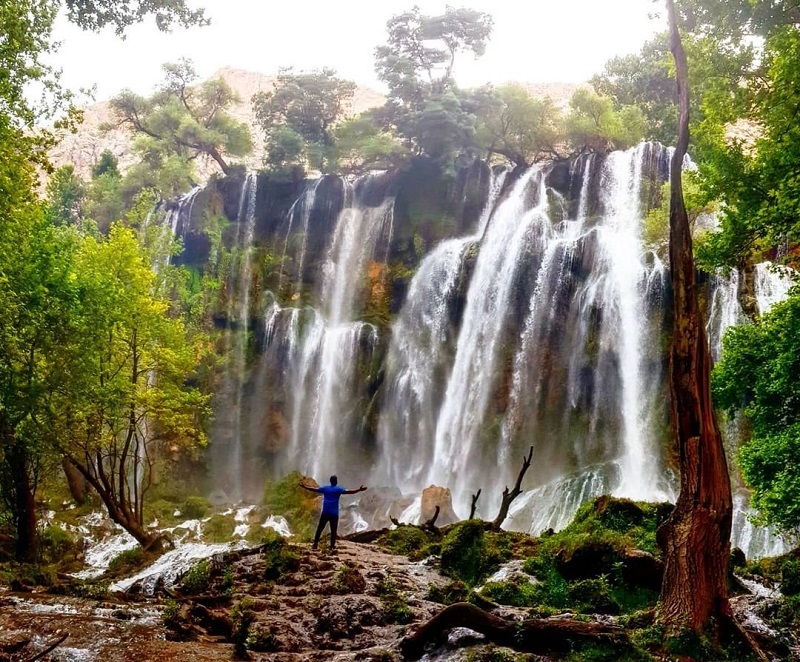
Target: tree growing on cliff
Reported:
point(512, 124)
point(184, 120)
point(595, 124)
point(424, 106)
point(302, 110)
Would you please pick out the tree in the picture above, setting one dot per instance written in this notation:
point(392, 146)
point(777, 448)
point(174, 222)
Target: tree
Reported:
point(359, 144)
point(125, 395)
point(65, 197)
point(107, 164)
point(594, 124)
point(513, 124)
point(696, 537)
point(759, 377)
point(417, 65)
point(305, 105)
point(97, 14)
point(184, 119)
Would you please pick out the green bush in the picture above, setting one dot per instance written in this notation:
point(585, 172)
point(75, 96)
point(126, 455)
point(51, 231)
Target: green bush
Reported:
point(280, 558)
point(197, 578)
point(522, 594)
point(242, 617)
point(56, 545)
point(90, 590)
point(790, 577)
point(592, 596)
point(405, 540)
point(261, 639)
point(349, 580)
point(195, 507)
point(21, 576)
point(219, 528)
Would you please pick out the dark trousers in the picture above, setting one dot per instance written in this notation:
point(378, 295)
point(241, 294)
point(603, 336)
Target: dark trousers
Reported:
point(324, 519)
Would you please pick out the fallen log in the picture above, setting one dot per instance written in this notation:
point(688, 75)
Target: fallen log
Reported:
point(49, 649)
point(529, 636)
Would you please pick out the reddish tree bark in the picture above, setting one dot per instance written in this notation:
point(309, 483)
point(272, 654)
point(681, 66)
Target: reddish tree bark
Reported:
point(696, 537)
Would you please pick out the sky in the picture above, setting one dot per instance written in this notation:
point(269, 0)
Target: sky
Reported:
point(534, 41)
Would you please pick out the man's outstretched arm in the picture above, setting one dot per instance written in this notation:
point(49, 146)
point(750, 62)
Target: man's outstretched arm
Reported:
point(360, 489)
point(310, 489)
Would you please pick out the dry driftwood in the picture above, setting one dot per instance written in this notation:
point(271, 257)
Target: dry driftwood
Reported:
point(508, 497)
point(529, 636)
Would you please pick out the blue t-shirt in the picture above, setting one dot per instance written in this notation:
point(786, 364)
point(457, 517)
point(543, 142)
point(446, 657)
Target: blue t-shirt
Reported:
point(330, 498)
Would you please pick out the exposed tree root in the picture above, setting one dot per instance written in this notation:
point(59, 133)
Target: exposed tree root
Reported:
point(529, 636)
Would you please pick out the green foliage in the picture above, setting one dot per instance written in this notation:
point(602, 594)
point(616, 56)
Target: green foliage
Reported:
point(107, 164)
point(759, 374)
point(349, 580)
point(242, 617)
point(297, 505)
point(261, 639)
point(462, 552)
point(181, 122)
point(56, 545)
point(127, 561)
point(492, 653)
point(299, 114)
point(88, 590)
point(65, 195)
point(219, 528)
point(424, 107)
point(595, 124)
point(516, 594)
point(359, 144)
point(405, 540)
point(513, 124)
point(195, 507)
point(197, 578)
point(790, 577)
point(24, 576)
point(280, 558)
point(393, 603)
point(97, 14)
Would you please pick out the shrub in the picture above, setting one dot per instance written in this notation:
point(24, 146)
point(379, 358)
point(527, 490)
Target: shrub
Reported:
point(279, 558)
point(297, 505)
point(521, 594)
point(790, 577)
point(56, 545)
point(592, 596)
point(197, 578)
point(242, 617)
point(194, 507)
point(261, 639)
point(349, 580)
point(405, 540)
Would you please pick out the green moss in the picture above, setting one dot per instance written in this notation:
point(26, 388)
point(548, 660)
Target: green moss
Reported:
point(405, 540)
point(285, 497)
point(261, 639)
point(57, 546)
point(219, 528)
point(592, 596)
point(89, 590)
point(22, 576)
point(790, 577)
point(195, 507)
point(127, 561)
point(492, 653)
point(242, 616)
point(516, 594)
point(393, 603)
point(464, 553)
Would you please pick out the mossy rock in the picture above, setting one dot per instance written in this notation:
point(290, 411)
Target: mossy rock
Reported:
point(280, 558)
point(790, 577)
point(405, 540)
point(219, 528)
point(349, 580)
point(449, 594)
point(591, 596)
point(462, 552)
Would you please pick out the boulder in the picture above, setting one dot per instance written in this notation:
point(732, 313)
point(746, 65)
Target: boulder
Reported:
point(433, 496)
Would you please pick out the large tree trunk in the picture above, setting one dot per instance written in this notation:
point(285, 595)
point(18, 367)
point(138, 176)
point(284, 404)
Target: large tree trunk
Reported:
point(24, 504)
point(696, 537)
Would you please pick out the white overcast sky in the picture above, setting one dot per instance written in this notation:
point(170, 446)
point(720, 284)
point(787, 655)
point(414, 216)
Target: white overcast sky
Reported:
point(533, 41)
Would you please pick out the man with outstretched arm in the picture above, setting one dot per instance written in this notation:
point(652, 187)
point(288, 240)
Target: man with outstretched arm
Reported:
point(330, 507)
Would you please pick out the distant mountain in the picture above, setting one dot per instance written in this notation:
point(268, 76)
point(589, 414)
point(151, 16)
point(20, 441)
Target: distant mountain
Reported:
point(83, 148)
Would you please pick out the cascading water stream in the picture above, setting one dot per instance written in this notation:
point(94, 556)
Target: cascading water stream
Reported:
point(302, 207)
point(229, 418)
point(418, 357)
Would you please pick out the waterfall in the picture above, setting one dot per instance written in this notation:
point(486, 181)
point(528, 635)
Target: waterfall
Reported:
point(302, 207)
point(418, 361)
point(229, 420)
point(325, 350)
point(772, 284)
point(725, 310)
